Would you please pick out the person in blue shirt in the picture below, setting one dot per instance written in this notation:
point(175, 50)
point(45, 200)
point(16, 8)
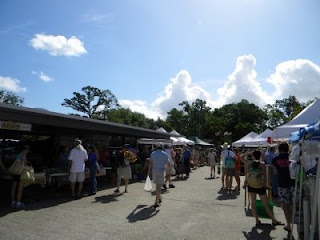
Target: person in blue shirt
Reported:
point(93, 167)
point(186, 157)
point(159, 160)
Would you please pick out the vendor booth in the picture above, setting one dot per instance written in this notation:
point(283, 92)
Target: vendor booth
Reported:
point(305, 169)
point(48, 132)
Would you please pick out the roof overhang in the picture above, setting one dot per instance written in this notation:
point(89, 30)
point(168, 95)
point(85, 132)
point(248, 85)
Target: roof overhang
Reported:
point(47, 122)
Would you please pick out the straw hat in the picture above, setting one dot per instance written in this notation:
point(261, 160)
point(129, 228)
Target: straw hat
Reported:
point(225, 145)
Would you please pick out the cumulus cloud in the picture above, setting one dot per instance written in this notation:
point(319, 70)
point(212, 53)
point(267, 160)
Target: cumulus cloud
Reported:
point(242, 84)
point(299, 78)
point(178, 90)
point(139, 106)
point(11, 84)
point(58, 45)
point(43, 76)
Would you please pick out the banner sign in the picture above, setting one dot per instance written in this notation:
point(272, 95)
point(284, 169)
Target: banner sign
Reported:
point(15, 126)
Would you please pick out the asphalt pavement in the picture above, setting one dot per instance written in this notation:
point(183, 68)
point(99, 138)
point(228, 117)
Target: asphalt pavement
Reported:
point(195, 209)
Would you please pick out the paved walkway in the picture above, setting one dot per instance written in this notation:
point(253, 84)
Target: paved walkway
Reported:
point(195, 209)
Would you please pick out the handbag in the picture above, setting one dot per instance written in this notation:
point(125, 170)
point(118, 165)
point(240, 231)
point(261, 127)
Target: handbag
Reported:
point(148, 185)
point(27, 175)
point(16, 168)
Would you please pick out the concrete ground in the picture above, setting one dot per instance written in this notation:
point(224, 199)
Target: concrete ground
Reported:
point(195, 209)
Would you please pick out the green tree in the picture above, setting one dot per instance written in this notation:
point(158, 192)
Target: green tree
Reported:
point(93, 102)
point(178, 120)
point(126, 116)
point(282, 111)
point(10, 98)
point(196, 116)
point(238, 119)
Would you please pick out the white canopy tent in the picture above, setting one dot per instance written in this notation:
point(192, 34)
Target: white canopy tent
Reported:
point(259, 140)
point(175, 139)
point(307, 116)
point(242, 140)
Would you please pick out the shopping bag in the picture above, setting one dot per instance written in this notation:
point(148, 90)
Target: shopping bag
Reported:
point(148, 185)
point(261, 210)
point(16, 167)
point(27, 175)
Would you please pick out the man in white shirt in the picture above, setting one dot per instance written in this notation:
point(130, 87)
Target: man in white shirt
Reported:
point(77, 157)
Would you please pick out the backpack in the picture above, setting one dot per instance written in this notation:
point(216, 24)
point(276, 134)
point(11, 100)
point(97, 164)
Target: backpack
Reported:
point(255, 178)
point(230, 162)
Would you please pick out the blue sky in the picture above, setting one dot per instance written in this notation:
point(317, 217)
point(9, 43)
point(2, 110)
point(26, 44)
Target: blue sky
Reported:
point(155, 54)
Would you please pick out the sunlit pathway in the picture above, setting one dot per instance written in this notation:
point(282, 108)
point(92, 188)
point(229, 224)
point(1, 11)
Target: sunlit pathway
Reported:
point(193, 210)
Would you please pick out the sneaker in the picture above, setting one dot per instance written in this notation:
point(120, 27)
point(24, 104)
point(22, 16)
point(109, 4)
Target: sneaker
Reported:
point(20, 205)
point(171, 186)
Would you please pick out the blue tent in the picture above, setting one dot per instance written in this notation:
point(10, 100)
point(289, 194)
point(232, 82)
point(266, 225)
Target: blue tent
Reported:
point(312, 131)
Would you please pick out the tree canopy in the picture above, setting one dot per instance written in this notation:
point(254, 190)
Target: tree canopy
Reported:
point(10, 98)
point(92, 102)
point(227, 123)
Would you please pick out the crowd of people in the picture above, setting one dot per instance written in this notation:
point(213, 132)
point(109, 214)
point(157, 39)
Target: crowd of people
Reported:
point(165, 161)
point(259, 166)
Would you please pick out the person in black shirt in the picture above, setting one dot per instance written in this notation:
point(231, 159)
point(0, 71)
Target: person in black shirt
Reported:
point(286, 184)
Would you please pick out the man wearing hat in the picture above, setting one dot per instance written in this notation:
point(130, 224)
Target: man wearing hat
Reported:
point(159, 161)
point(226, 183)
point(77, 157)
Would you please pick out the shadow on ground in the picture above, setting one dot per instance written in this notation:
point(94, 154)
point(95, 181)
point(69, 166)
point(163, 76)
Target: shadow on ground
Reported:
point(107, 198)
point(141, 213)
point(224, 195)
point(261, 232)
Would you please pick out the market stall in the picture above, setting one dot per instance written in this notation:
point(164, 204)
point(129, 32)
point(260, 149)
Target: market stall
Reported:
point(307, 146)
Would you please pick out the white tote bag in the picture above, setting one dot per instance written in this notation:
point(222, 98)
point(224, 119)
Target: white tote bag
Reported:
point(148, 185)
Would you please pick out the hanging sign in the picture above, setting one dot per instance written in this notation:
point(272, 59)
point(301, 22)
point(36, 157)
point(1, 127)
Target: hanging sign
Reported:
point(15, 126)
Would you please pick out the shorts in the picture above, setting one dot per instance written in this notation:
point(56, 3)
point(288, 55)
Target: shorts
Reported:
point(76, 177)
point(285, 195)
point(158, 177)
point(16, 178)
point(124, 172)
point(260, 191)
point(231, 171)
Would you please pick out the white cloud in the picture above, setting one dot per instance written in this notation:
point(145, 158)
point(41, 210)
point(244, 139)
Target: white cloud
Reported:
point(58, 45)
point(139, 106)
point(96, 17)
point(299, 78)
point(242, 84)
point(43, 76)
point(11, 84)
